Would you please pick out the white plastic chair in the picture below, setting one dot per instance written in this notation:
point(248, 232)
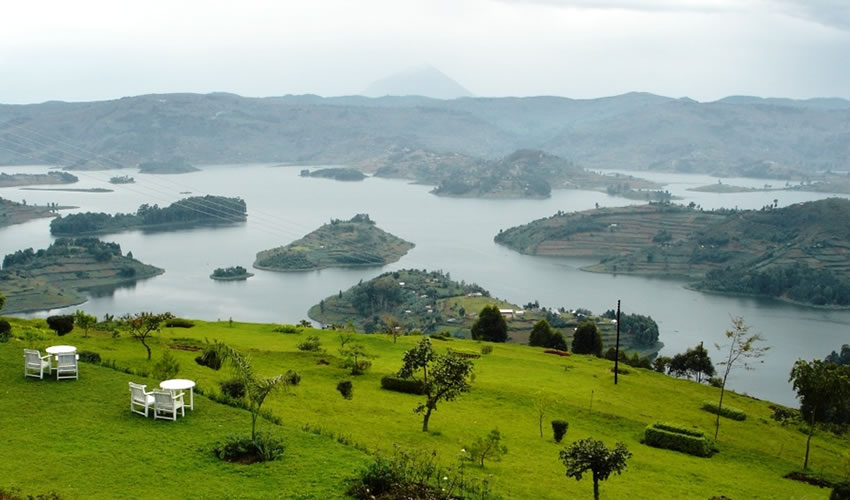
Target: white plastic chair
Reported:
point(138, 397)
point(66, 366)
point(169, 403)
point(35, 362)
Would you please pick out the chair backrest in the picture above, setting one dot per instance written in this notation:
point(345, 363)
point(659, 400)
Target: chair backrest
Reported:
point(32, 357)
point(137, 391)
point(163, 398)
point(66, 360)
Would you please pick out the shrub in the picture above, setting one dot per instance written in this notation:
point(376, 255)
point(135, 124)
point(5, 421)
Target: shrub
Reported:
point(841, 491)
point(233, 388)
point(15, 494)
point(311, 344)
point(466, 354)
point(89, 357)
point(441, 336)
point(726, 411)
point(292, 377)
point(622, 370)
point(489, 447)
point(210, 358)
point(167, 367)
point(486, 349)
point(715, 382)
point(360, 367)
point(678, 439)
point(287, 329)
point(346, 388)
point(559, 429)
point(179, 323)
point(61, 324)
point(405, 385)
point(244, 450)
point(5, 330)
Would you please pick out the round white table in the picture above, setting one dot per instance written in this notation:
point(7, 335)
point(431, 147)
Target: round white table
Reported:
point(55, 350)
point(180, 384)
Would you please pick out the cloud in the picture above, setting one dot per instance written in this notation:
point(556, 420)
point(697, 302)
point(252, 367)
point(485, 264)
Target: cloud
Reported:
point(832, 13)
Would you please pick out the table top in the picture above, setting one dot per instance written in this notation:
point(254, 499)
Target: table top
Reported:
point(61, 349)
point(177, 384)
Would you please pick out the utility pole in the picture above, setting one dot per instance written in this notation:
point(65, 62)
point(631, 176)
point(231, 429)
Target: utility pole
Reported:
point(617, 346)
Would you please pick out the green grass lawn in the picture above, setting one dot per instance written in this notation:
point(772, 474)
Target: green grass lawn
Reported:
point(79, 439)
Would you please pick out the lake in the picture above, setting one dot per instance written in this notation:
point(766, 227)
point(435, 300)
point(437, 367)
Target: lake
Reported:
point(451, 234)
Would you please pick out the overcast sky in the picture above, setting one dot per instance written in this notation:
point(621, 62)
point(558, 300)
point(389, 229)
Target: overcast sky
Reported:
point(704, 49)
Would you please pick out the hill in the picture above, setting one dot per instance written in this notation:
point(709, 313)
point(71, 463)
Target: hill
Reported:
point(426, 81)
point(353, 243)
point(325, 434)
point(798, 253)
point(340, 174)
point(58, 275)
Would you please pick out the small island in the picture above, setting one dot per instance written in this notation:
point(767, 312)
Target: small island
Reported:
point(172, 166)
point(353, 243)
point(122, 179)
point(234, 273)
point(52, 177)
point(12, 212)
point(336, 173)
point(70, 190)
point(723, 188)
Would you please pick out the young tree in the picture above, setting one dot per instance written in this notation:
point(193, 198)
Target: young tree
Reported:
point(592, 455)
point(823, 389)
point(449, 378)
point(344, 339)
point(305, 324)
point(418, 358)
point(392, 328)
point(694, 362)
point(540, 334)
point(84, 321)
point(356, 358)
point(490, 325)
point(543, 402)
point(488, 447)
point(141, 326)
point(587, 339)
point(742, 351)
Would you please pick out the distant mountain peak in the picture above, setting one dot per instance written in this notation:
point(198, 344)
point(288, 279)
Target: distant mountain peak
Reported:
point(426, 81)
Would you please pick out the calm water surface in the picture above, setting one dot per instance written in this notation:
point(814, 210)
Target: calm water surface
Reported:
point(455, 235)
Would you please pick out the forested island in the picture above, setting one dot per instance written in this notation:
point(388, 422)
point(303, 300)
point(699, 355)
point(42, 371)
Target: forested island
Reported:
point(122, 179)
point(431, 302)
point(188, 212)
point(798, 253)
point(57, 276)
point(52, 177)
point(12, 212)
point(336, 173)
point(353, 243)
point(233, 273)
point(172, 166)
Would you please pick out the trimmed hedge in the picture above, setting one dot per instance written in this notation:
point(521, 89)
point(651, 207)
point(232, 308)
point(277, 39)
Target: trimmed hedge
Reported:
point(408, 386)
point(465, 354)
point(88, 357)
point(726, 411)
point(661, 436)
point(678, 429)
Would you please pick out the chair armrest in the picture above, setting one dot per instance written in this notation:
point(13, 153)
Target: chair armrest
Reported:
point(46, 356)
point(179, 396)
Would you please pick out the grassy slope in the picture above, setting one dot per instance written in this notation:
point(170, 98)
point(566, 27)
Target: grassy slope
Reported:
point(754, 454)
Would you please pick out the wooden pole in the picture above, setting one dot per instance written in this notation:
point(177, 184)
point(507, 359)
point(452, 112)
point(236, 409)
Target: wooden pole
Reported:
point(617, 346)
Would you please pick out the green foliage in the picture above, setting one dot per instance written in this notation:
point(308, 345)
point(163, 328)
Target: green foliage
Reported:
point(842, 358)
point(488, 447)
point(486, 349)
point(178, 323)
point(726, 411)
point(418, 358)
point(244, 450)
point(15, 494)
point(559, 429)
point(167, 367)
point(797, 281)
point(233, 388)
point(5, 330)
point(490, 325)
point(290, 329)
point(89, 357)
point(212, 357)
point(310, 344)
point(841, 491)
point(61, 324)
point(356, 358)
point(676, 438)
point(695, 362)
point(405, 385)
point(587, 339)
point(229, 272)
point(542, 335)
point(292, 377)
point(445, 377)
point(643, 329)
point(2, 300)
point(592, 455)
point(84, 321)
point(142, 325)
point(346, 388)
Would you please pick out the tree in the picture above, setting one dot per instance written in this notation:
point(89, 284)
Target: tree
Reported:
point(142, 326)
point(356, 358)
point(587, 339)
point(257, 389)
point(490, 325)
point(392, 328)
point(592, 455)
point(661, 363)
point(542, 335)
point(487, 447)
point(842, 358)
point(84, 321)
point(305, 324)
point(694, 362)
point(543, 402)
point(449, 378)
point(418, 358)
point(62, 324)
point(742, 350)
point(823, 389)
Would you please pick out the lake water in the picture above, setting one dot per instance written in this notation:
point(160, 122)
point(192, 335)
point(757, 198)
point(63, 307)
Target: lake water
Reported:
point(452, 234)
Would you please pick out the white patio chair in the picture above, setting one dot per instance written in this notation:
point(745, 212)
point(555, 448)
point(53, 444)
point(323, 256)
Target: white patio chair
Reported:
point(168, 403)
point(35, 362)
point(140, 398)
point(66, 366)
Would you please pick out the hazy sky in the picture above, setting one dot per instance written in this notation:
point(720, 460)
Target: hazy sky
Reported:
point(704, 49)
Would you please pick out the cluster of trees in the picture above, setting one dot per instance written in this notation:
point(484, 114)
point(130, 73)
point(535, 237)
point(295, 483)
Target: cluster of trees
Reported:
point(490, 325)
point(230, 272)
point(694, 363)
point(797, 282)
point(842, 358)
point(65, 247)
point(542, 335)
point(643, 329)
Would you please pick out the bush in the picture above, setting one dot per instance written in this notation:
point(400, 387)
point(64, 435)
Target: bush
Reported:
point(243, 450)
point(233, 388)
point(61, 324)
point(466, 354)
point(841, 491)
point(441, 336)
point(559, 429)
point(5, 330)
point(15, 494)
point(179, 323)
point(486, 349)
point(405, 385)
point(89, 357)
point(360, 367)
point(167, 367)
point(311, 344)
point(346, 388)
point(726, 411)
point(287, 329)
point(210, 358)
point(292, 377)
point(678, 439)
point(622, 370)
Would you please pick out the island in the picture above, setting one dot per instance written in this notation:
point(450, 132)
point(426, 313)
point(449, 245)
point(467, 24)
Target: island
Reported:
point(336, 173)
point(70, 190)
point(431, 302)
point(12, 212)
point(189, 212)
point(122, 179)
point(172, 166)
point(723, 188)
point(353, 243)
point(233, 273)
point(52, 177)
point(59, 275)
point(796, 253)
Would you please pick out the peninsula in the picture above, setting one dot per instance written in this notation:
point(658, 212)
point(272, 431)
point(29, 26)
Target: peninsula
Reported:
point(336, 173)
point(52, 177)
point(12, 212)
